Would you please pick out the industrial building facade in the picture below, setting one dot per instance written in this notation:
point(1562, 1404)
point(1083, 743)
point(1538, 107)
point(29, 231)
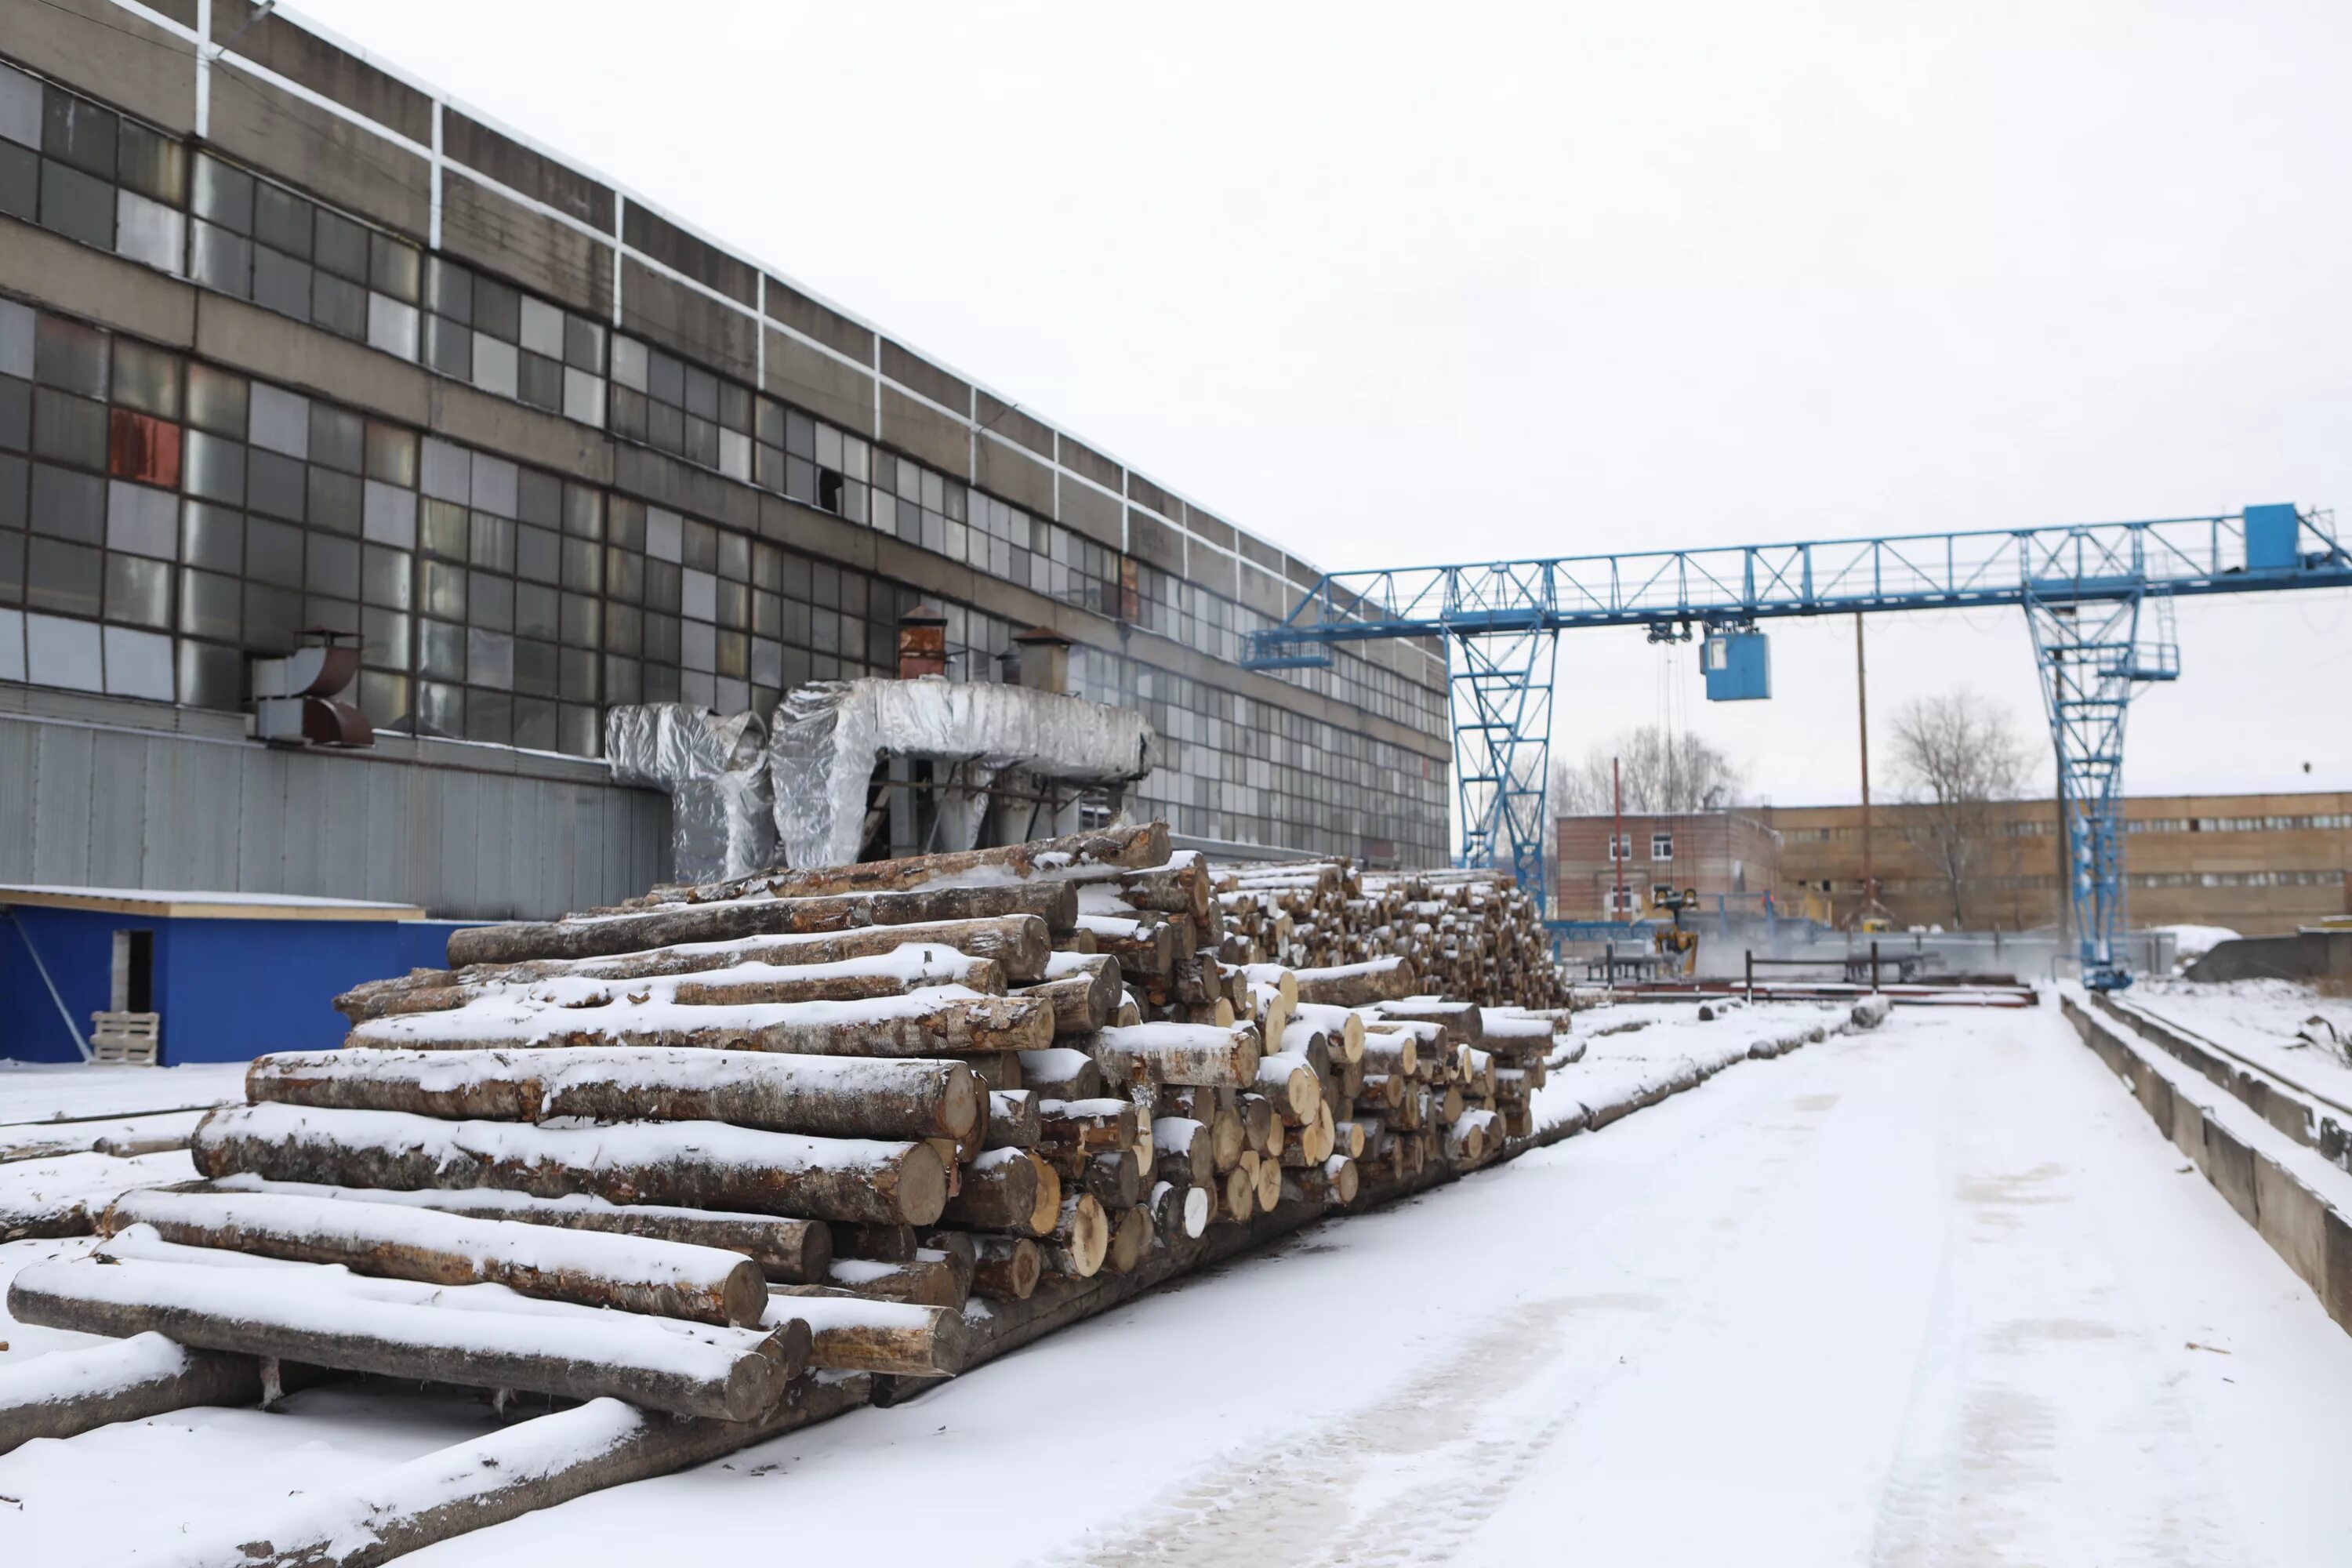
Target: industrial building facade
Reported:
point(288, 341)
point(2257, 864)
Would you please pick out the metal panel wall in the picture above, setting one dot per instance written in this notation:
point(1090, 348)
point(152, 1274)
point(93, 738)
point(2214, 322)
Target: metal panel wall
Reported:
point(84, 806)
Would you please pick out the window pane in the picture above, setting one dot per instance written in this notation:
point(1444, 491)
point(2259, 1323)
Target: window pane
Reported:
point(224, 194)
point(62, 576)
point(217, 400)
point(386, 577)
point(139, 591)
point(273, 552)
point(281, 220)
point(209, 605)
point(146, 379)
point(68, 505)
point(153, 164)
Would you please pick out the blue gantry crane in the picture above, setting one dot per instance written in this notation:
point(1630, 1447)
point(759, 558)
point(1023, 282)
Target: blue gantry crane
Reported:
point(2097, 598)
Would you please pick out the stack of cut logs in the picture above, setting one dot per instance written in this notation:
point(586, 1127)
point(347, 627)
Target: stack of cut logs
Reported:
point(846, 1118)
point(1469, 933)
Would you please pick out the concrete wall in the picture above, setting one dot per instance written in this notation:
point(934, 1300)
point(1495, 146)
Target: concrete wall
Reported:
point(460, 831)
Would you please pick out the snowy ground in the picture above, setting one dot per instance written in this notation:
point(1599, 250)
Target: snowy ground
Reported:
point(2258, 1019)
point(1936, 1295)
point(72, 1091)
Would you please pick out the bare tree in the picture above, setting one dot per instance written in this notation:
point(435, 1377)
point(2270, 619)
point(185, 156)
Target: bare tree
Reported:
point(1956, 755)
point(1662, 774)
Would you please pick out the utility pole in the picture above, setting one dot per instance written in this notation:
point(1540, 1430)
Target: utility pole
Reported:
point(1862, 709)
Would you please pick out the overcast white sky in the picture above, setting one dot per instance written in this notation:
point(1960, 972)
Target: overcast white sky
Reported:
point(1391, 284)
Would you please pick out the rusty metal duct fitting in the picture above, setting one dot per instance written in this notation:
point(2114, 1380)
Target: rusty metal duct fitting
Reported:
point(294, 701)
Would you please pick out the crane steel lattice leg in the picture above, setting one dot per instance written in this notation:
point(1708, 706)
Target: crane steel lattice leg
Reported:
point(1501, 688)
point(2090, 658)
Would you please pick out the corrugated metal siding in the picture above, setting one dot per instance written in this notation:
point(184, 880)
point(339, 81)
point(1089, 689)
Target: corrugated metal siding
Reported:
point(98, 807)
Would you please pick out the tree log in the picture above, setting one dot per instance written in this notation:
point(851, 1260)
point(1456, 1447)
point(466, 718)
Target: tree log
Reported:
point(70, 1391)
point(1114, 1178)
point(1270, 1185)
point(1080, 1237)
point(1084, 989)
point(1288, 1080)
point(1062, 1072)
point(837, 1096)
point(1008, 1268)
point(667, 926)
point(930, 1281)
point(1184, 1150)
point(853, 1334)
point(1179, 1210)
point(287, 1311)
point(998, 1192)
point(631, 1274)
point(1011, 1120)
point(794, 1250)
point(515, 1470)
point(1353, 984)
point(1463, 1022)
point(1048, 1212)
point(1127, 847)
point(692, 1164)
point(1130, 1238)
point(922, 1023)
point(1199, 1054)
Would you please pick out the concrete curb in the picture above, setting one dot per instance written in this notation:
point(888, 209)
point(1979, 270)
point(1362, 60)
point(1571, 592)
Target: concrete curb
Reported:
point(2242, 1151)
point(2292, 1110)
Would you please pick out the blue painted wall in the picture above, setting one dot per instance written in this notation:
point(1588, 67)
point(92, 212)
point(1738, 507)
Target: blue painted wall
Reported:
point(228, 990)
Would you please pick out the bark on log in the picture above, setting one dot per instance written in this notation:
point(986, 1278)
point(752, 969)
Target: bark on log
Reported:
point(694, 1164)
point(1387, 1053)
point(1062, 1072)
point(598, 937)
point(1180, 1210)
point(1342, 1026)
point(1355, 984)
point(921, 1281)
point(1084, 989)
point(515, 1470)
point(1019, 945)
point(631, 1274)
point(982, 975)
point(731, 1374)
point(70, 1391)
point(1463, 1022)
point(924, 1024)
point(837, 1096)
point(1196, 1054)
point(1183, 1151)
point(797, 1251)
point(851, 1333)
point(1008, 1268)
point(1114, 1179)
point(1011, 1120)
point(998, 1192)
point(873, 1244)
point(1129, 847)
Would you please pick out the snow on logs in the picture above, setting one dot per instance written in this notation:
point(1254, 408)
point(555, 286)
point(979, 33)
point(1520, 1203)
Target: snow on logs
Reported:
point(1020, 946)
point(945, 1021)
point(697, 1165)
point(795, 1251)
point(596, 936)
point(73, 1391)
point(326, 1318)
point(634, 1274)
point(838, 1096)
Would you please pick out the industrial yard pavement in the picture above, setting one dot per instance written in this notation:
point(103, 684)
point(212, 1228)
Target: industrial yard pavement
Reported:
point(1938, 1295)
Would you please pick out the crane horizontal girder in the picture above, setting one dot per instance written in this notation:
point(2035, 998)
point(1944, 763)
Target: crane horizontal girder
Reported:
point(2083, 587)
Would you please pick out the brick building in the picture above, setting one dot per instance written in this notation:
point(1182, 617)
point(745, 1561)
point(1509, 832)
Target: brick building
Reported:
point(1714, 852)
point(2252, 862)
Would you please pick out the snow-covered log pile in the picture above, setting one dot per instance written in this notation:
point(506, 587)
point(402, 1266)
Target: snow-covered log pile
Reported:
point(1470, 934)
point(886, 1119)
